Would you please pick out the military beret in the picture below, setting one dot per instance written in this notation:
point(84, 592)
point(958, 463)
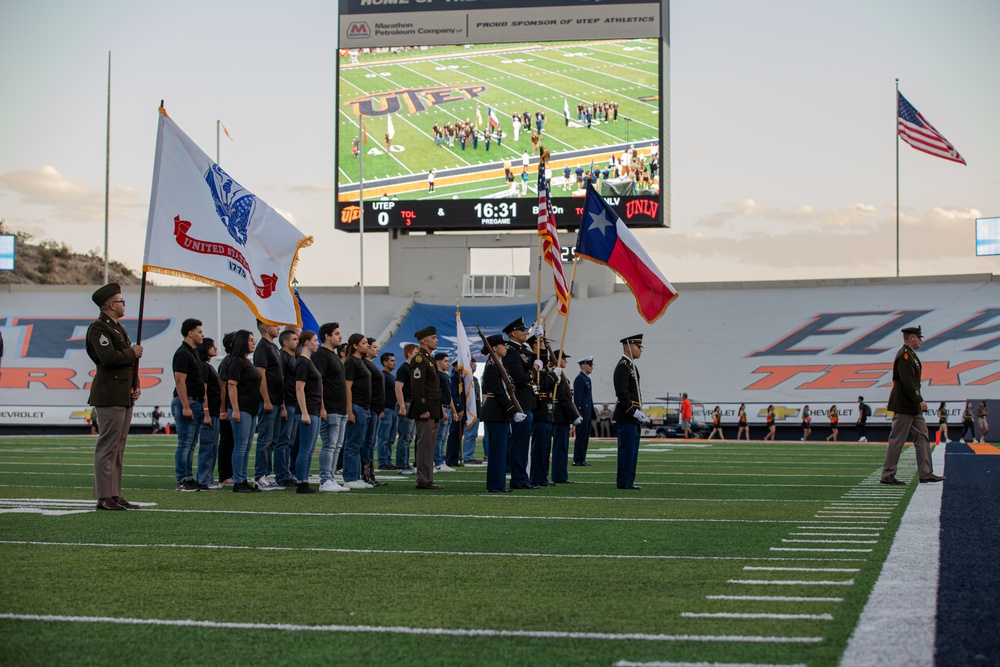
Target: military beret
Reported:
point(425, 332)
point(637, 339)
point(105, 293)
point(494, 340)
point(913, 330)
point(516, 325)
point(586, 360)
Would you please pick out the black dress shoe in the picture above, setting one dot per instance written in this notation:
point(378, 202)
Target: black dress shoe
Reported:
point(892, 480)
point(631, 487)
point(124, 503)
point(587, 465)
point(562, 481)
point(108, 504)
point(500, 490)
point(931, 478)
point(429, 486)
point(579, 465)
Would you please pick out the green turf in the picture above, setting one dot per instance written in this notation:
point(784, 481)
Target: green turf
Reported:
point(517, 78)
point(460, 559)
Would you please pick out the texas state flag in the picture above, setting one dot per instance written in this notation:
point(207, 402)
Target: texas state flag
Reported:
point(494, 121)
point(605, 239)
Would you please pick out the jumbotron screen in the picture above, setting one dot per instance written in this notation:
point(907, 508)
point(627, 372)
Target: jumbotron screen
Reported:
point(449, 137)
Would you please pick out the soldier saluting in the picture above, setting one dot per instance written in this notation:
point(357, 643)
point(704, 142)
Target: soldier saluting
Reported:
point(425, 406)
point(113, 394)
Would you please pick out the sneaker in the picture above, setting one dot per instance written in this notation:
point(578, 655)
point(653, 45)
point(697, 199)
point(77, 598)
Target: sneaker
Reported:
point(187, 486)
point(862, 439)
point(406, 471)
point(476, 462)
point(387, 466)
point(303, 487)
point(265, 483)
point(226, 482)
point(274, 484)
point(443, 468)
point(357, 484)
point(214, 486)
point(330, 486)
point(242, 487)
point(287, 482)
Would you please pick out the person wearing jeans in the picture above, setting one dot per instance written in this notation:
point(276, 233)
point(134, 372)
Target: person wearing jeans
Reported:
point(208, 449)
point(333, 412)
point(243, 392)
point(309, 399)
point(272, 391)
point(389, 422)
point(284, 474)
point(358, 385)
point(406, 428)
point(187, 405)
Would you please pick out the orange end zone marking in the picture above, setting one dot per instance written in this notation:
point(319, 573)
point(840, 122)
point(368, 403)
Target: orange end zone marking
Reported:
point(984, 449)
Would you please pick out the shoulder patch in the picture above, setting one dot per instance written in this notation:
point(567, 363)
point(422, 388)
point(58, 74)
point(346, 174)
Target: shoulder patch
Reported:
point(417, 359)
point(103, 340)
point(415, 374)
point(906, 356)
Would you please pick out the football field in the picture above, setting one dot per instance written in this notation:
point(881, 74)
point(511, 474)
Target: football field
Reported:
point(751, 553)
point(419, 88)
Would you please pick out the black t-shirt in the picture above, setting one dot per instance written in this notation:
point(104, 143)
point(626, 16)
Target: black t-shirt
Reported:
point(377, 389)
point(214, 395)
point(186, 361)
point(389, 380)
point(403, 375)
point(306, 372)
point(288, 364)
point(331, 369)
point(361, 390)
point(445, 389)
point(266, 357)
point(247, 379)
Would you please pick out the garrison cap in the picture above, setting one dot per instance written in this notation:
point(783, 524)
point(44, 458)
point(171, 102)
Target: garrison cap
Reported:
point(586, 360)
point(425, 332)
point(494, 340)
point(913, 330)
point(516, 325)
point(637, 339)
point(105, 293)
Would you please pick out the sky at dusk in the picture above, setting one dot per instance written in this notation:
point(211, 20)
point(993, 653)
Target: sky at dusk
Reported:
point(782, 122)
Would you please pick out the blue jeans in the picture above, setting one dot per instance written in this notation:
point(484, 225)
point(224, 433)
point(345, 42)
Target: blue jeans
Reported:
point(268, 432)
point(628, 452)
point(371, 436)
point(208, 451)
point(187, 433)
point(406, 430)
point(283, 448)
point(308, 432)
point(386, 436)
point(442, 438)
point(496, 468)
point(469, 442)
point(331, 432)
point(242, 437)
point(354, 441)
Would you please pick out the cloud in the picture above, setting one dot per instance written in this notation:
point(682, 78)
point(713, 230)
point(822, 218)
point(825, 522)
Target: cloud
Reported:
point(740, 211)
point(65, 199)
point(313, 189)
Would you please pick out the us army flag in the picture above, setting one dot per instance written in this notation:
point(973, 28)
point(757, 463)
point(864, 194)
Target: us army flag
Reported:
point(463, 350)
point(205, 226)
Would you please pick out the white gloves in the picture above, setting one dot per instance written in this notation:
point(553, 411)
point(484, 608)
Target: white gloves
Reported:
point(577, 421)
point(538, 364)
point(558, 372)
point(641, 416)
point(520, 417)
point(538, 331)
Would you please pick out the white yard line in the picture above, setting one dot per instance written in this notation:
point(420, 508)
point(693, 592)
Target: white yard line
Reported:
point(789, 582)
point(776, 617)
point(406, 630)
point(773, 598)
point(660, 663)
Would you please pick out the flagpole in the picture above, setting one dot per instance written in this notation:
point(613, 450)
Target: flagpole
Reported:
point(897, 177)
point(218, 290)
point(107, 173)
point(569, 301)
point(361, 215)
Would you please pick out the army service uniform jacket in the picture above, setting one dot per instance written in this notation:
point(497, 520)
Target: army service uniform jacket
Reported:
point(110, 349)
point(564, 412)
point(905, 396)
point(497, 406)
point(626, 379)
point(425, 384)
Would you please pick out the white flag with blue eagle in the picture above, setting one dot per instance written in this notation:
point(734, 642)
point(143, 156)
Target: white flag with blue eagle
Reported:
point(205, 226)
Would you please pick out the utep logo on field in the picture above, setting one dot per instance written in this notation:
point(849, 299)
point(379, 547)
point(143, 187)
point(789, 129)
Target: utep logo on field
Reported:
point(358, 29)
point(233, 203)
point(415, 99)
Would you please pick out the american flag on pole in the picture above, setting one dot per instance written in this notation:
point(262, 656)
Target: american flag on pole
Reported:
point(916, 131)
point(551, 250)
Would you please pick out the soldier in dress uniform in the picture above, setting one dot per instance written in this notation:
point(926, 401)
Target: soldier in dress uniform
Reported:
point(113, 394)
point(497, 415)
point(542, 424)
point(908, 407)
point(628, 411)
point(563, 414)
point(425, 406)
point(520, 363)
point(583, 396)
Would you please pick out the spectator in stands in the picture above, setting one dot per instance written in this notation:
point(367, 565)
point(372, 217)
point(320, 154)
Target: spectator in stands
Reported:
point(243, 393)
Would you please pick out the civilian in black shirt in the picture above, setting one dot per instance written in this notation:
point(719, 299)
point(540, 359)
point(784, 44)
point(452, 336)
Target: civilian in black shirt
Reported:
point(407, 427)
point(225, 424)
point(358, 409)
point(377, 409)
point(208, 449)
point(272, 390)
point(243, 399)
point(387, 430)
point(188, 403)
point(333, 414)
point(284, 459)
point(309, 398)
